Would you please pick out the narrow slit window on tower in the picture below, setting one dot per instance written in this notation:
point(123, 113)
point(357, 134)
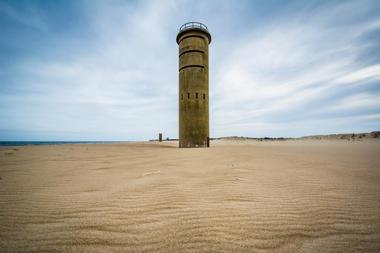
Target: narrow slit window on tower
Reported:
point(196, 95)
point(181, 96)
point(204, 96)
point(188, 95)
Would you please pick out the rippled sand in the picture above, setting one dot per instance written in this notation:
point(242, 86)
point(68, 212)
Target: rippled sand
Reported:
point(293, 196)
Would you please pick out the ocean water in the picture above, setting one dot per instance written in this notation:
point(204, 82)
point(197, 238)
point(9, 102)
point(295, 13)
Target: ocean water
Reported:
point(24, 143)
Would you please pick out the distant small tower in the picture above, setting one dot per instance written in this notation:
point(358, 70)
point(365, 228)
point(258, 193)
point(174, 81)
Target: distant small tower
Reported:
point(193, 39)
point(160, 137)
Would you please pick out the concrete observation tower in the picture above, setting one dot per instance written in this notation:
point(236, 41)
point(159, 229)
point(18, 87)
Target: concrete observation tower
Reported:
point(193, 39)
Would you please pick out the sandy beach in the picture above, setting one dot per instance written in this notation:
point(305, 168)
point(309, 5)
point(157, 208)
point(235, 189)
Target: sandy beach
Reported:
point(237, 196)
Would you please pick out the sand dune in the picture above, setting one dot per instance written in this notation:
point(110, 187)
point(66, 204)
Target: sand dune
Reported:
point(290, 196)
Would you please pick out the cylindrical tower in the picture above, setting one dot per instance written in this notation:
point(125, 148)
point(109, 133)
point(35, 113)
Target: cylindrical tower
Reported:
point(193, 39)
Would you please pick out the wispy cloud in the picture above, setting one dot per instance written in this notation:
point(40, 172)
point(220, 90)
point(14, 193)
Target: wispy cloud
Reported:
point(299, 69)
point(370, 73)
point(298, 66)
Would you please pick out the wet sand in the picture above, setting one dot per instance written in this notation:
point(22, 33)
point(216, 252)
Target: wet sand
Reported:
point(246, 196)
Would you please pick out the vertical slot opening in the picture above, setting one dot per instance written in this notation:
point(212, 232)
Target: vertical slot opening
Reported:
point(204, 96)
point(196, 95)
point(188, 95)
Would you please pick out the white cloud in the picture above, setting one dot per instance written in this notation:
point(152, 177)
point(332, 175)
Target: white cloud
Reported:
point(284, 68)
point(123, 84)
point(369, 73)
point(357, 101)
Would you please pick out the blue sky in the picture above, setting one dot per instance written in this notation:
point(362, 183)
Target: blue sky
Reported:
point(108, 70)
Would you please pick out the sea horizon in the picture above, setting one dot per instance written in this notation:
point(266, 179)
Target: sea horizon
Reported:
point(37, 143)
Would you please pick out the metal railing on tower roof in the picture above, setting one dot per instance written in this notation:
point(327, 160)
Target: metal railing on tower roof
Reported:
point(191, 25)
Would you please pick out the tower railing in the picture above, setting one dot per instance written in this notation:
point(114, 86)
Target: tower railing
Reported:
point(191, 25)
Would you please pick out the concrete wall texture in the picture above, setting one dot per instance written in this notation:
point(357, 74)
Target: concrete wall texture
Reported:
point(193, 87)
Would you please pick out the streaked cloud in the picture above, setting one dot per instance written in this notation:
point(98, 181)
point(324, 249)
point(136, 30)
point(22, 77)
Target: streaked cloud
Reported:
point(300, 68)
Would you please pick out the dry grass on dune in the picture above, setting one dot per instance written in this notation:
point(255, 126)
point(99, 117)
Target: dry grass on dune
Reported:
point(292, 196)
